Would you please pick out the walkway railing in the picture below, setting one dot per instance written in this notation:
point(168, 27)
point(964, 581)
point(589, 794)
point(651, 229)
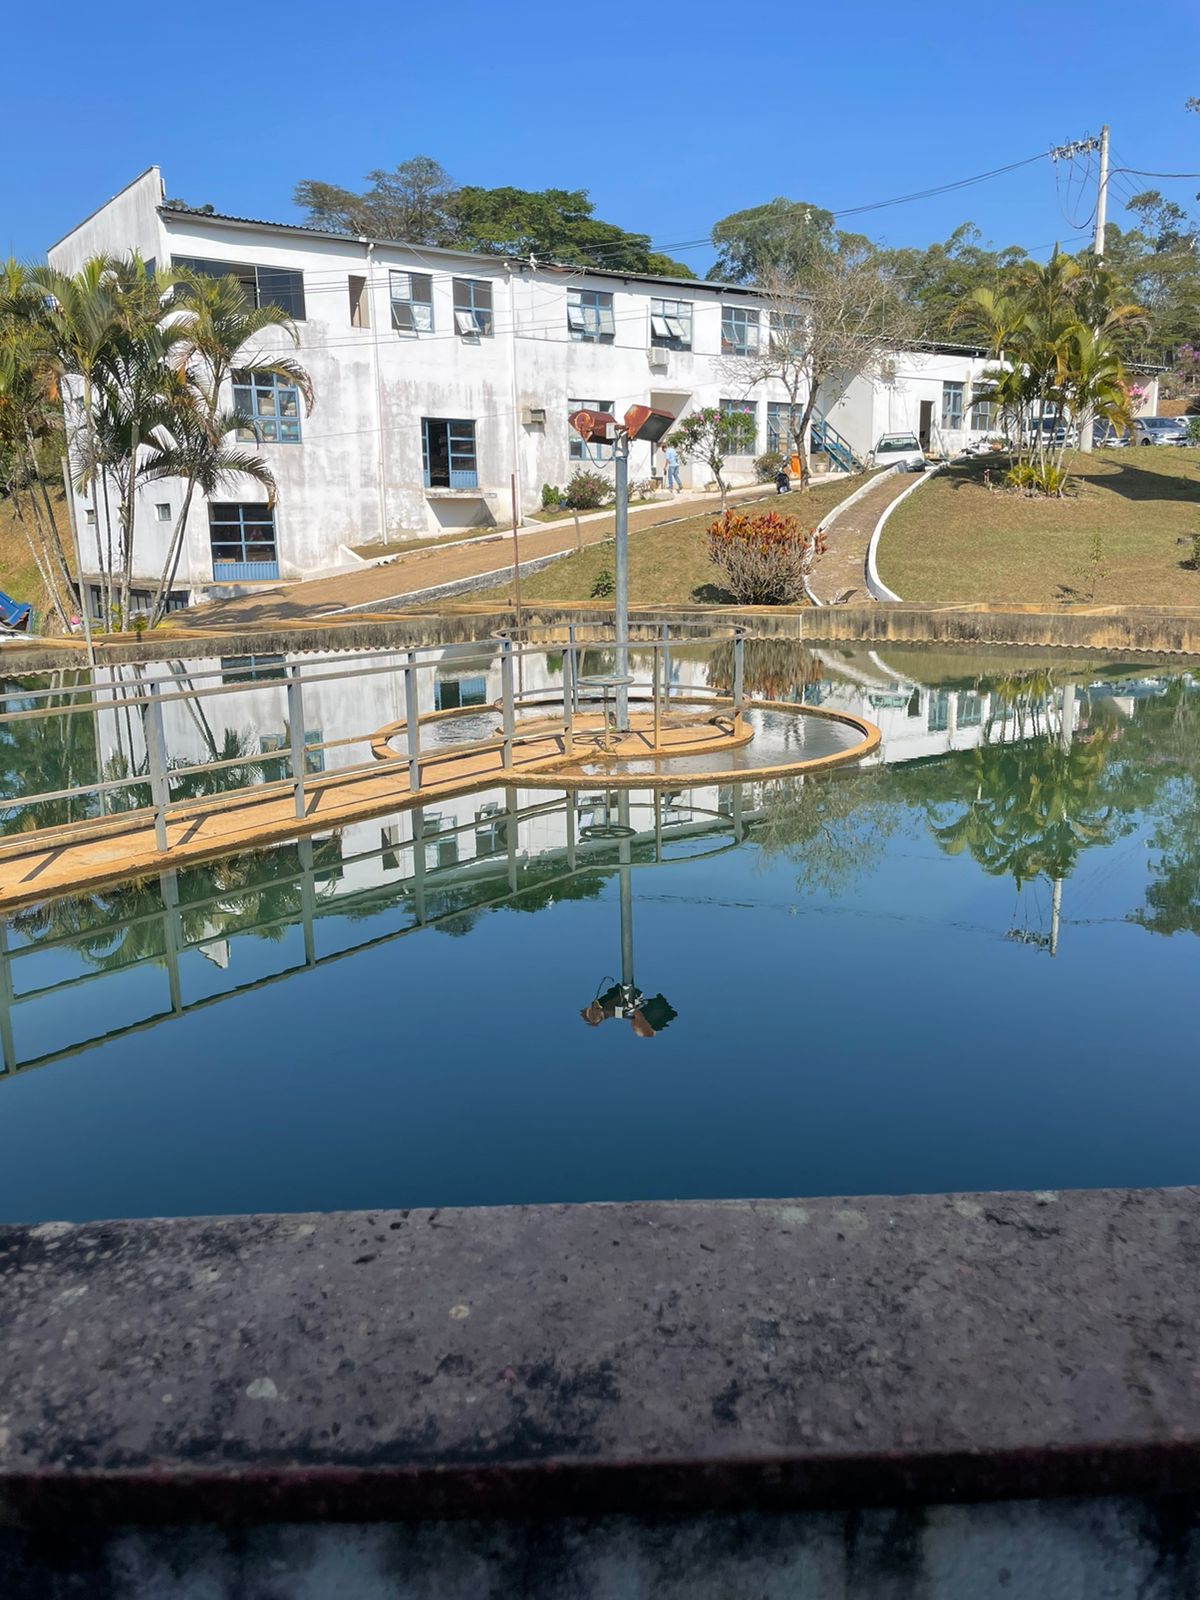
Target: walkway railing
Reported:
point(113, 795)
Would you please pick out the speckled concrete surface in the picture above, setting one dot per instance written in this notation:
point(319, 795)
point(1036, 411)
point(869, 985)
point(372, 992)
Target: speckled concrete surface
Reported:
point(602, 1357)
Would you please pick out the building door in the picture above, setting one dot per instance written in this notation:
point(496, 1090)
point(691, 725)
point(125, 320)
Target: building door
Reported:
point(925, 430)
point(448, 452)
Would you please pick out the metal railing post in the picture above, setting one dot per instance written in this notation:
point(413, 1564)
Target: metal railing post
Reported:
point(666, 637)
point(655, 655)
point(569, 694)
point(506, 697)
point(574, 654)
point(739, 641)
point(295, 701)
point(156, 761)
point(412, 720)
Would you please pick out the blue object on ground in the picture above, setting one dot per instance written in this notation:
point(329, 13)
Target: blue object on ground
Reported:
point(13, 613)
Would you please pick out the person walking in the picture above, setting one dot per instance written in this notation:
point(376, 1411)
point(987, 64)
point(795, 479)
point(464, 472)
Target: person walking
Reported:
point(674, 481)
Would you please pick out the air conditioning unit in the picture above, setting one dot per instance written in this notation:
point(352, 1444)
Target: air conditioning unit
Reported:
point(887, 371)
point(660, 359)
point(533, 416)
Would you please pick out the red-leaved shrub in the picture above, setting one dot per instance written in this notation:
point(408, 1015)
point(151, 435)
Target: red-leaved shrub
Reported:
point(763, 556)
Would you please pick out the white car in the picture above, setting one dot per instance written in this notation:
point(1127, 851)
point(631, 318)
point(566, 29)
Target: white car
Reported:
point(901, 450)
point(1160, 430)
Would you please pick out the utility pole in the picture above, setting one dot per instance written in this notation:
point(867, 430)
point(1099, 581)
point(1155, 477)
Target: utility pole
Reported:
point(1101, 196)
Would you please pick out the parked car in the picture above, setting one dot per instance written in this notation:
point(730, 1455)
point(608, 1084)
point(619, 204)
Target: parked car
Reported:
point(901, 450)
point(1106, 435)
point(1053, 431)
point(1161, 430)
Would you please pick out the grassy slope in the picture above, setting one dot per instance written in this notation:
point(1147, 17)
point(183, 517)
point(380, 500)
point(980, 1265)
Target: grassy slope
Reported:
point(955, 540)
point(668, 565)
point(18, 572)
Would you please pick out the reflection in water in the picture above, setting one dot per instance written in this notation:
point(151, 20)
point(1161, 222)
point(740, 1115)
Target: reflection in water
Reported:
point(1015, 809)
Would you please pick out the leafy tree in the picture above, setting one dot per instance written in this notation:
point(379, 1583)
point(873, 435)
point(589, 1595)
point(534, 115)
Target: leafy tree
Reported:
point(937, 279)
point(778, 238)
point(709, 435)
point(418, 202)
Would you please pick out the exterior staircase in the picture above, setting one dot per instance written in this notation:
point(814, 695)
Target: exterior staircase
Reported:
point(825, 437)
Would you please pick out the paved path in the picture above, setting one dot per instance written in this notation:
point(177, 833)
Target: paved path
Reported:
point(439, 564)
point(840, 575)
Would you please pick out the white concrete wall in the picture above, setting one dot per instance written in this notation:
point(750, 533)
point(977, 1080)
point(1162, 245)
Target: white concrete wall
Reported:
point(356, 475)
point(866, 406)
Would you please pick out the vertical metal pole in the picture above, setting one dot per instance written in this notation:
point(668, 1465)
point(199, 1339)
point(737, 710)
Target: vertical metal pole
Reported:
point(569, 694)
point(295, 702)
point(168, 883)
point(739, 827)
point(412, 720)
point(569, 801)
point(508, 709)
point(418, 848)
point(574, 654)
point(308, 900)
point(658, 825)
point(655, 654)
point(516, 552)
point(510, 836)
point(739, 640)
point(666, 637)
point(156, 758)
point(8, 1053)
point(623, 873)
point(621, 601)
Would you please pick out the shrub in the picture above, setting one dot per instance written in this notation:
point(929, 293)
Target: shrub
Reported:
point(768, 464)
point(1193, 425)
point(1194, 562)
point(763, 557)
point(1032, 479)
point(551, 497)
point(588, 491)
point(604, 585)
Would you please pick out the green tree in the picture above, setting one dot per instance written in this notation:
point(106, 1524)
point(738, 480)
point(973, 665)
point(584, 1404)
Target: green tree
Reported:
point(709, 435)
point(780, 238)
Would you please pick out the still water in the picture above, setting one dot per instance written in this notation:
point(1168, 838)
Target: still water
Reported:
point(970, 964)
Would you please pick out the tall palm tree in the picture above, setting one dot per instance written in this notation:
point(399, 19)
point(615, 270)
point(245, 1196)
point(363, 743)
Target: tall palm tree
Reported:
point(219, 330)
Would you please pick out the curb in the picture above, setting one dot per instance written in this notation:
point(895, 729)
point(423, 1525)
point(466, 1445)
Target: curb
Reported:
point(876, 588)
point(844, 505)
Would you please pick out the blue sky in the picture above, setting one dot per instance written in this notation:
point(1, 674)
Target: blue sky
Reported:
point(672, 118)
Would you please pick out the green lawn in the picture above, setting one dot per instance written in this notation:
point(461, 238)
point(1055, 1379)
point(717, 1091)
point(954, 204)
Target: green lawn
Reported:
point(668, 565)
point(1115, 537)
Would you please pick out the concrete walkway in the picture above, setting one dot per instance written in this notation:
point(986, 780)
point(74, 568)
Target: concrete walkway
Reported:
point(840, 575)
point(439, 565)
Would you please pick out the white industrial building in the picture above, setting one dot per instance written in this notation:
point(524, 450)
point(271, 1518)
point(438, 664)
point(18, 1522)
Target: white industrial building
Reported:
point(441, 377)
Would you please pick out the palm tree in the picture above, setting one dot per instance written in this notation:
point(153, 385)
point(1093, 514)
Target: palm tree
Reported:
point(218, 328)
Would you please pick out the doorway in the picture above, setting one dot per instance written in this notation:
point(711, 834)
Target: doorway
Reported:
point(925, 429)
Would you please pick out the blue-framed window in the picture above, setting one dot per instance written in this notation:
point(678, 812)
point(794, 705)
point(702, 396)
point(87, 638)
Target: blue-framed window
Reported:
point(412, 301)
point(952, 405)
point(587, 449)
point(985, 415)
point(263, 286)
point(671, 324)
point(473, 307)
point(252, 669)
point(448, 453)
point(739, 331)
point(750, 407)
point(937, 714)
point(590, 316)
point(451, 693)
point(243, 541)
point(439, 851)
point(272, 402)
point(491, 829)
point(787, 330)
point(779, 429)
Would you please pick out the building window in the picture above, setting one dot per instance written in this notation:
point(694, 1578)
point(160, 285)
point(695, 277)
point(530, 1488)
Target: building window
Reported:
point(984, 416)
point(750, 407)
point(937, 715)
point(587, 449)
point(590, 316)
point(277, 767)
point(360, 302)
point(389, 847)
point(412, 301)
point(473, 307)
point(448, 453)
point(272, 405)
point(491, 830)
point(89, 516)
point(243, 541)
point(783, 423)
point(252, 669)
point(314, 756)
point(952, 405)
point(139, 600)
point(439, 851)
point(970, 709)
point(671, 324)
point(263, 286)
point(739, 331)
point(787, 330)
point(451, 693)
point(162, 511)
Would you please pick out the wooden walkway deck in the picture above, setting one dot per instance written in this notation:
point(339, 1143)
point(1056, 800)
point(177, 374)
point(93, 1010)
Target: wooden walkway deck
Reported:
point(85, 855)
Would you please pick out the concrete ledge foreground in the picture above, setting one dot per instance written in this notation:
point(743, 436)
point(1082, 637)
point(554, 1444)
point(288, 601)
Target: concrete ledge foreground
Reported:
point(601, 1358)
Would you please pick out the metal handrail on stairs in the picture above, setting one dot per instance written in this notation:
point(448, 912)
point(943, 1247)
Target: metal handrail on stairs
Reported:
point(825, 437)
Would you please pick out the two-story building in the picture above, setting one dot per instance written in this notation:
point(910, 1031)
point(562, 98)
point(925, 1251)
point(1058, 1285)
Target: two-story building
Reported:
point(443, 380)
